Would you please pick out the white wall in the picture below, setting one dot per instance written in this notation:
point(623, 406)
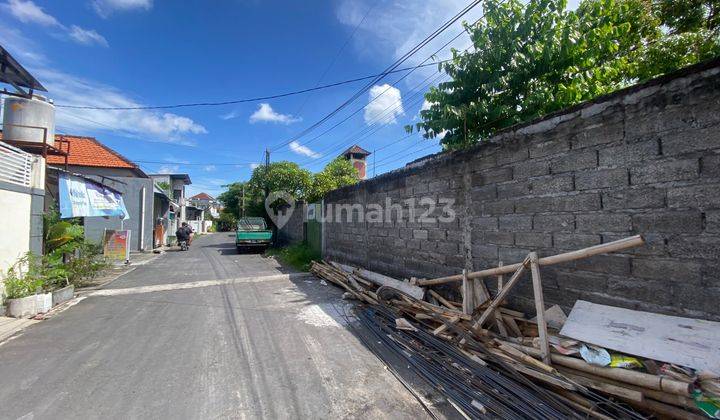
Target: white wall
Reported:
point(15, 231)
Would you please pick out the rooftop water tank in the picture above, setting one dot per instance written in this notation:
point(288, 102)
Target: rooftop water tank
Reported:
point(29, 119)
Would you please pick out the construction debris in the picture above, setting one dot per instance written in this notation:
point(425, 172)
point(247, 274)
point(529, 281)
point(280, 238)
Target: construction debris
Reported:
point(496, 362)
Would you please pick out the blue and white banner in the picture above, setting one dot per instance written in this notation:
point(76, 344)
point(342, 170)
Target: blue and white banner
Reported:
point(83, 198)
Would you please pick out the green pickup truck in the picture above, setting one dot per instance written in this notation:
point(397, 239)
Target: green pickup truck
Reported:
point(252, 232)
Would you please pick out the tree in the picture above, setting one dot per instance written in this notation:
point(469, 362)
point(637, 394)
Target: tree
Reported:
point(279, 176)
point(532, 59)
point(336, 174)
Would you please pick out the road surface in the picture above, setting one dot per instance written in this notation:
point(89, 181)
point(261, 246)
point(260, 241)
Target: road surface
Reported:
point(202, 334)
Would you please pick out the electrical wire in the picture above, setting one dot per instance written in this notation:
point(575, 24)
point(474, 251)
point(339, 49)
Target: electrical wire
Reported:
point(244, 100)
point(337, 55)
point(387, 71)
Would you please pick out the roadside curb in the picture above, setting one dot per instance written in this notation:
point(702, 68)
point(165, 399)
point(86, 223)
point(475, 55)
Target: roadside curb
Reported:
point(133, 267)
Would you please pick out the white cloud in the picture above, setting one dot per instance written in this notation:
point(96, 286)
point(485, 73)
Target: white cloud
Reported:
point(385, 104)
point(169, 169)
point(146, 124)
point(230, 115)
point(105, 8)
point(426, 105)
point(173, 159)
point(209, 168)
point(87, 36)
point(265, 113)
point(254, 165)
point(29, 12)
point(303, 150)
point(385, 38)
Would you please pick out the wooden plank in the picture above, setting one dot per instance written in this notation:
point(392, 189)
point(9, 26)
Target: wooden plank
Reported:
point(501, 295)
point(498, 315)
point(468, 294)
point(442, 300)
point(614, 246)
point(540, 308)
point(382, 280)
point(480, 292)
point(683, 341)
point(445, 324)
point(510, 322)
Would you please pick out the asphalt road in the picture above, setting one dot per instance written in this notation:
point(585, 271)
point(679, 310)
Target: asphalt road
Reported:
point(252, 348)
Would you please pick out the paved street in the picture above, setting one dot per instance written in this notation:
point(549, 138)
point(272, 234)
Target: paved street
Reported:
point(233, 344)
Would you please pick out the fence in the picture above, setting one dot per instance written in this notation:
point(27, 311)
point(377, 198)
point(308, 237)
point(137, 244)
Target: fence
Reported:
point(15, 165)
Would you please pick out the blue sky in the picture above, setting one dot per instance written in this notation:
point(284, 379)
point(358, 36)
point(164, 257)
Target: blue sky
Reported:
point(145, 52)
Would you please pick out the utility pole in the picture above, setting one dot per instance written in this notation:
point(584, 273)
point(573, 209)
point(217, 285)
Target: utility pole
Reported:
point(374, 159)
point(243, 200)
point(267, 172)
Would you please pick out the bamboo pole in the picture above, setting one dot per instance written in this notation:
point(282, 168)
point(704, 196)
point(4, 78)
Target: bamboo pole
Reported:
point(442, 300)
point(540, 309)
point(632, 377)
point(501, 294)
point(614, 246)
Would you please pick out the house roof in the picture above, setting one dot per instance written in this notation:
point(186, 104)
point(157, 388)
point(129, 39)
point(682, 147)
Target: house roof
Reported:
point(202, 196)
point(87, 151)
point(356, 150)
point(13, 73)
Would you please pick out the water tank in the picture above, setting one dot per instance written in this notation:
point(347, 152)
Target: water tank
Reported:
point(28, 112)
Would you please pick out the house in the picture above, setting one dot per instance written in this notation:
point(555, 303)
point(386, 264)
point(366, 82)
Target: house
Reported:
point(358, 158)
point(206, 202)
point(89, 157)
point(173, 187)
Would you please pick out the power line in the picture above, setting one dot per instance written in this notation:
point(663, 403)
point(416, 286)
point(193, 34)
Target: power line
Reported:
point(422, 64)
point(387, 71)
point(365, 130)
point(337, 55)
point(244, 100)
point(167, 162)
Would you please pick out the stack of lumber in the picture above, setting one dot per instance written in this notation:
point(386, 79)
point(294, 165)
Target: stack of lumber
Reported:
point(551, 365)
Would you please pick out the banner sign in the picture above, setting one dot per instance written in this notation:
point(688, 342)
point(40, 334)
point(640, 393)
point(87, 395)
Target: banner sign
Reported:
point(83, 198)
point(116, 245)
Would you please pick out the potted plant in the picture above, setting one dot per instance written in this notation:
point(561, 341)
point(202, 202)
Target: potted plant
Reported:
point(24, 290)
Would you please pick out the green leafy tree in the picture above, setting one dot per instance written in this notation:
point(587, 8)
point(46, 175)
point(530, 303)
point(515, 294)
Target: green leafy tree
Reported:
point(532, 59)
point(279, 176)
point(239, 200)
point(336, 174)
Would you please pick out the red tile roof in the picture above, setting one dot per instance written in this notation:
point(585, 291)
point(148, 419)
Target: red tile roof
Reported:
point(356, 149)
point(201, 196)
point(87, 151)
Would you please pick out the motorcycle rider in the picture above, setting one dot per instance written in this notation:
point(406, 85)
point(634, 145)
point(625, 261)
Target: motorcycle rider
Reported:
point(183, 234)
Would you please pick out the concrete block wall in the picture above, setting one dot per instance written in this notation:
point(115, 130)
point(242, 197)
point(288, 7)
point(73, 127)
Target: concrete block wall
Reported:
point(643, 160)
point(292, 231)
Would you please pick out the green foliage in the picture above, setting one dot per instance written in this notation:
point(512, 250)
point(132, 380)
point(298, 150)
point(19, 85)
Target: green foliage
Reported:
point(226, 222)
point(68, 259)
point(165, 186)
point(280, 176)
point(297, 256)
point(336, 174)
point(235, 206)
point(63, 235)
point(24, 278)
point(532, 59)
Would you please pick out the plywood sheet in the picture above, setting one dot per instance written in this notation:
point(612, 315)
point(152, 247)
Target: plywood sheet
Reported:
point(687, 342)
